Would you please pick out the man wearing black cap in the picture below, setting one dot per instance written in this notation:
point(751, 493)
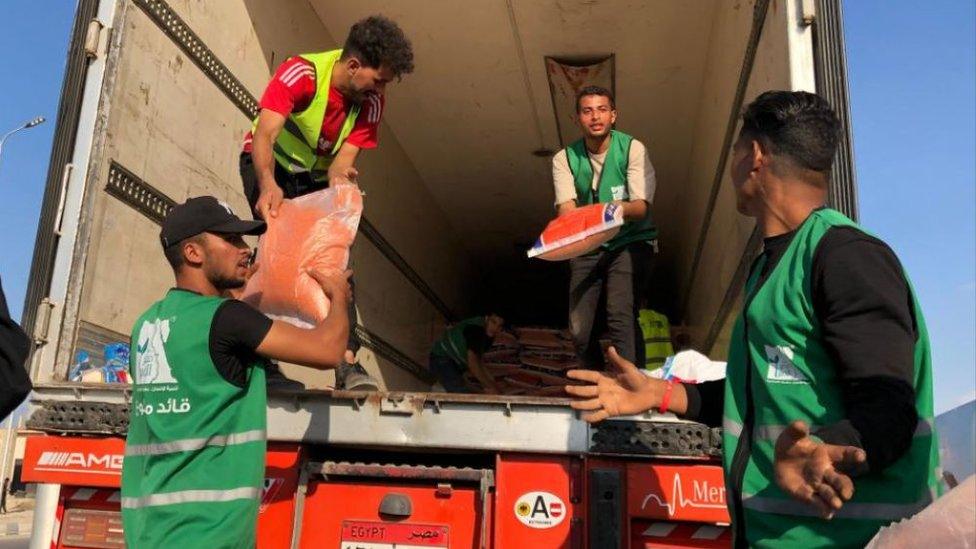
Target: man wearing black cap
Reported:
point(194, 458)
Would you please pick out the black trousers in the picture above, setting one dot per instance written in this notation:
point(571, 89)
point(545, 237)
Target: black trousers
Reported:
point(293, 185)
point(613, 281)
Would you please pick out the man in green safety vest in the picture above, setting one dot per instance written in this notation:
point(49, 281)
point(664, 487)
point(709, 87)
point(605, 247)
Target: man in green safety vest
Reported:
point(193, 469)
point(317, 113)
point(604, 166)
point(656, 331)
point(826, 410)
point(460, 349)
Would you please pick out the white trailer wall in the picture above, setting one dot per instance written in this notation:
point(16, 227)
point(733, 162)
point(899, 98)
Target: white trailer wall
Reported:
point(783, 60)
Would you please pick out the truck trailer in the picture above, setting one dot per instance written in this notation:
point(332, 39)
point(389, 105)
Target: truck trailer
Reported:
point(156, 100)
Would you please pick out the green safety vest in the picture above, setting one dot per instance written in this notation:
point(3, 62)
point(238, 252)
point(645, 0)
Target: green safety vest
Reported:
point(194, 456)
point(296, 148)
point(657, 338)
point(612, 186)
point(453, 345)
point(780, 371)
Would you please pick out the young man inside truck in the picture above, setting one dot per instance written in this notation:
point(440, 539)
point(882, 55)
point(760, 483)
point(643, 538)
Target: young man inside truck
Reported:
point(194, 455)
point(827, 405)
point(317, 113)
point(460, 350)
point(607, 165)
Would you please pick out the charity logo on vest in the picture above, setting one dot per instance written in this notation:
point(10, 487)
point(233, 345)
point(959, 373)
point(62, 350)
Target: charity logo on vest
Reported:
point(152, 367)
point(781, 366)
point(618, 192)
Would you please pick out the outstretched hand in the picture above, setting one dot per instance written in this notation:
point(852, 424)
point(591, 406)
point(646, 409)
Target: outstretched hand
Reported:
point(816, 472)
point(622, 391)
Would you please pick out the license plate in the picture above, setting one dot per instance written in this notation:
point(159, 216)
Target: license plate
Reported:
point(358, 534)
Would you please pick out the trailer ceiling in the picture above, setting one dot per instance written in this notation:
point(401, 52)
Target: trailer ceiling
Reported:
point(472, 114)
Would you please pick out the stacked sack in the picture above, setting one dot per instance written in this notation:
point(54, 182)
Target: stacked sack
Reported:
point(531, 361)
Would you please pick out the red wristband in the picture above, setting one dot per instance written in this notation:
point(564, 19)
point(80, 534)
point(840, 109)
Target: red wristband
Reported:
point(666, 399)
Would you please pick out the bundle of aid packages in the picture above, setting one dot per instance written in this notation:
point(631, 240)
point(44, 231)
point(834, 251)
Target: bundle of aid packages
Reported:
point(530, 361)
point(310, 233)
point(578, 232)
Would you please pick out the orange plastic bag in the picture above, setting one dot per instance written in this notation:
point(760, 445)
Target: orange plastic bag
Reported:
point(578, 232)
point(312, 232)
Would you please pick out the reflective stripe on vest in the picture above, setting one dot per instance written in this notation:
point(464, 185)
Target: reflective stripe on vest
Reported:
point(191, 496)
point(296, 148)
point(850, 510)
point(772, 432)
point(190, 444)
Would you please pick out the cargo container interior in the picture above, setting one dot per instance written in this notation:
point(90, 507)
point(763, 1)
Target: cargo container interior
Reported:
point(460, 184)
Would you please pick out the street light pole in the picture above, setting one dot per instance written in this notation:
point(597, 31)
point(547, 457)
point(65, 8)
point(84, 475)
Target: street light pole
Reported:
point(29, 124)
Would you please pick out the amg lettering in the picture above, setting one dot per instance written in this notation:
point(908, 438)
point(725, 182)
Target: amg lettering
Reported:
point(89, 461)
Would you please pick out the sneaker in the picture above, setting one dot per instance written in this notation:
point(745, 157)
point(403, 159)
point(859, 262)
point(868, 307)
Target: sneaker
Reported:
point(353, 377)
point(277, 380)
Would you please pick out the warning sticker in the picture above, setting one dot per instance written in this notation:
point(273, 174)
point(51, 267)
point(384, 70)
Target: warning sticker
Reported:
point(540, 510)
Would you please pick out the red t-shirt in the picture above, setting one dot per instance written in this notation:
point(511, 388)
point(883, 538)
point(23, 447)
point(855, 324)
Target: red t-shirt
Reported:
point(292, 90)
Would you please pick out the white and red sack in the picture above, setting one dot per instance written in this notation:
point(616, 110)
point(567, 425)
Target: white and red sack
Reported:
point(578, 232)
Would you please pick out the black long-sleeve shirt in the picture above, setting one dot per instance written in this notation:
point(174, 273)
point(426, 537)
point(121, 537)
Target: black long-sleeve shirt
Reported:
point(14, 348)
point(864, 305)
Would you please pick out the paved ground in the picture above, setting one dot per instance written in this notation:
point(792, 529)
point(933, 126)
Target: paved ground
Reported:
point(17, 522)
point(14, 542)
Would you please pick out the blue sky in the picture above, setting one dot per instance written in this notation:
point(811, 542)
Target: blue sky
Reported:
point(912, 76)
point(913, 96)
point(32, 62)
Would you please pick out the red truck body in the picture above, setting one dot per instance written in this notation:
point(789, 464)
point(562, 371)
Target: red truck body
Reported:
point(523, 500)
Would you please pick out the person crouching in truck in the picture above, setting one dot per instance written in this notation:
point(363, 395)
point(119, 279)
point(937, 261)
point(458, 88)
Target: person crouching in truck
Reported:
point(460, 350)
point(827, 406)
point(194, 455)
point(317, 113)
point(607, 166)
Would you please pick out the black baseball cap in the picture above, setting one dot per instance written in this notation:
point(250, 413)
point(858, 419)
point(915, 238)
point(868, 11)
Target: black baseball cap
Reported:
point(204, 214)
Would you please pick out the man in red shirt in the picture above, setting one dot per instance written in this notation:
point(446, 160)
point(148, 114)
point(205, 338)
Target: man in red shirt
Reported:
point(306, 139)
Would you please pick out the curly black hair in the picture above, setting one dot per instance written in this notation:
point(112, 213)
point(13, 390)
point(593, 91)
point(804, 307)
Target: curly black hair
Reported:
point(595, 90)
point(377, 40)
point(800, 126)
